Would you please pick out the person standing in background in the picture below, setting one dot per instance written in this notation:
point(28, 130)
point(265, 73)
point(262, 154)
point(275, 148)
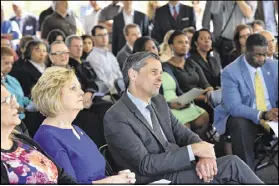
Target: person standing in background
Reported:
point(174, 15)
point(106, 17)
point(28, 24)
point(92, 19)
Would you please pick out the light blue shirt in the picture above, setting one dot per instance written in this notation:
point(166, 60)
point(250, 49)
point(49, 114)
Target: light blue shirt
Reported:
point(177, 7)
point(269, 18)
point(252, 71)
point(141, 105)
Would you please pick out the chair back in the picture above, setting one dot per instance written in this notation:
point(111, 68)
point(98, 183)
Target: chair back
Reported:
point(110, 164)
point(119, 85)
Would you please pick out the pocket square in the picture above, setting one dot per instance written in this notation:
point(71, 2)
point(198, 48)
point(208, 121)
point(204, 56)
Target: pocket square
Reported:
point(185, 18)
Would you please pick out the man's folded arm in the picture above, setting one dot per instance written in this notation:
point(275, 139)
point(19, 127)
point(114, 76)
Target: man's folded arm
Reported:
point(122, 138)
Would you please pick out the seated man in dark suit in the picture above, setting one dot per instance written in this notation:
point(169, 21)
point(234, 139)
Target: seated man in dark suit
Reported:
point(144, 136)
point(127, 16)
point(250, 93)
point(131, 33)
point(172, 16)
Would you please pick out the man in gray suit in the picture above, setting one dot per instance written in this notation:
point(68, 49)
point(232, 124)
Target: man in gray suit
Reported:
point(145, 137)
point(131, 34)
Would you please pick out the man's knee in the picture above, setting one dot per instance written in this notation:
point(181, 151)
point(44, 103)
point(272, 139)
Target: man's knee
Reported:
point(235, 160)
point(239, 123)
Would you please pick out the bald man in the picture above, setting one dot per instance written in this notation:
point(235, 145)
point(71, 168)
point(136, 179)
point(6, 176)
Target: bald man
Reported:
point(271, 44)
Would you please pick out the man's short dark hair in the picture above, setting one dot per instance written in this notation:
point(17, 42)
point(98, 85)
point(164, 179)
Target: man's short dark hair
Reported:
point(173, 35)
point(93, 32)
point(258, 22)
point(136, 61)
point(255, 40)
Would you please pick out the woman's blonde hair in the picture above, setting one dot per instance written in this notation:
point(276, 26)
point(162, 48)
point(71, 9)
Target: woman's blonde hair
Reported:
point(46, 94)
point(165, 46)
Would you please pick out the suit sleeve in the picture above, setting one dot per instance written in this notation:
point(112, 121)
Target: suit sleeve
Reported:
point(114, 37)
point(156, 32)
point(193, 21)
point(121, 137)
point(145, 31)
point(232, 98)
point(206, 16)
point(183, 135)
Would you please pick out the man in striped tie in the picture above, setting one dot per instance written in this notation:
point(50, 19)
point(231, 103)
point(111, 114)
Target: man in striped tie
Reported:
point(250, 95)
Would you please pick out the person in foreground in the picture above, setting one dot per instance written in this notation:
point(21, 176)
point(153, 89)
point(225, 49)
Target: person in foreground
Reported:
point(58, 96)
point(250, 94)
point(144, 136)
point(22, 160)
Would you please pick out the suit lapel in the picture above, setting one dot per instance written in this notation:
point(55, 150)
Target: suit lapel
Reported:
point(246, 75)
point(135, 110)
point(269, 83)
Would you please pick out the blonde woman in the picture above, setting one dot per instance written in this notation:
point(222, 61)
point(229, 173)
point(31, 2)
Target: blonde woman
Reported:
point(58, 96)
point(22, 160)
point(151, 9)
point(165, 51)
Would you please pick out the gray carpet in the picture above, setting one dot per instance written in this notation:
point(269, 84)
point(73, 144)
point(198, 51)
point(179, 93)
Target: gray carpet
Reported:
point(269, 175)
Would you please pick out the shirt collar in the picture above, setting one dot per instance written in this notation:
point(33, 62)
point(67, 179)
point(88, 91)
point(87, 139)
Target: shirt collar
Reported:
point(176, 6)
point(130, 47)
point(103, 50)
point(141, 105)
point(132, 13)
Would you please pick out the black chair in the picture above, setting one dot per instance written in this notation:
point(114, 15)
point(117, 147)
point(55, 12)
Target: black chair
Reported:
point(110, 164)
point(264, 156)
point(119, 85)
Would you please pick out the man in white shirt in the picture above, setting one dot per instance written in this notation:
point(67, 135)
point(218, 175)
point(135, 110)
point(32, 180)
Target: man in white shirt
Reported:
point(271, 44)
point(102, 61)
point(92, 19)
point(131, 33)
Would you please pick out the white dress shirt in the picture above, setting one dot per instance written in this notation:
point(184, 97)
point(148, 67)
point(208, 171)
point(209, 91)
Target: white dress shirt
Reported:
point(40, 67)
point(128, 19)
point(106, 66)
point(252, 71)
point(90, 21)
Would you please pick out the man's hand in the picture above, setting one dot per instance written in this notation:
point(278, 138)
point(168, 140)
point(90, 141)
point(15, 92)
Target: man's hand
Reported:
point(206, 169)
point(203, 150)
point(87, 101)
point(272, 115)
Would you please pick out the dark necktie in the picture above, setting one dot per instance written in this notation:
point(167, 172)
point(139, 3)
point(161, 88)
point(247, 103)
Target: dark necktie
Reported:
point(157, 130)
point(174, 13)
point(155, 123)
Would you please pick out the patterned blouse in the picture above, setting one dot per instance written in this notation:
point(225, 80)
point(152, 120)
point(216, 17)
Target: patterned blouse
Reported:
point(26, 165)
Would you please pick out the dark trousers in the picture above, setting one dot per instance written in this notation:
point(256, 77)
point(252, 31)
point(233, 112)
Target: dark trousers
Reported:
point(243, 134)
point(231, 170)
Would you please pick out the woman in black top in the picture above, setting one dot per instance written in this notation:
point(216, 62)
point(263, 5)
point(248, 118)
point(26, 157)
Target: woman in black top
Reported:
point(188, 74)
point(201, 46)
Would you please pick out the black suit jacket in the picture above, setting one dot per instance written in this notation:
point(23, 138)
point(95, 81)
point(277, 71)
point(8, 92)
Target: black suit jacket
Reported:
point(211, 70)
point(43, 16)
point(164, 21)
point(118, 39)
point(135, 146)
point(30, 25)
point(28, 76)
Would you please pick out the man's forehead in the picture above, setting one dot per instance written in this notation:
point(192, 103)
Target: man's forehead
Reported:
point(98, 30)
point(260, 48)
point(59, 47)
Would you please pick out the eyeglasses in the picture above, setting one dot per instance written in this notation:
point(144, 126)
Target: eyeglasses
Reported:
point(244, 36)
point(60, 53)
point(101, 35)
point(8, 99)
point(272, 40)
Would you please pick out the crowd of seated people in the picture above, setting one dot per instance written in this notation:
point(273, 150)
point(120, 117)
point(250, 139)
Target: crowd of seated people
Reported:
point(62, 86)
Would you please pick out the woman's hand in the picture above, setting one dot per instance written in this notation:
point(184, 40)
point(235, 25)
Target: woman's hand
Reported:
point(178, 106)
point(123, 177)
